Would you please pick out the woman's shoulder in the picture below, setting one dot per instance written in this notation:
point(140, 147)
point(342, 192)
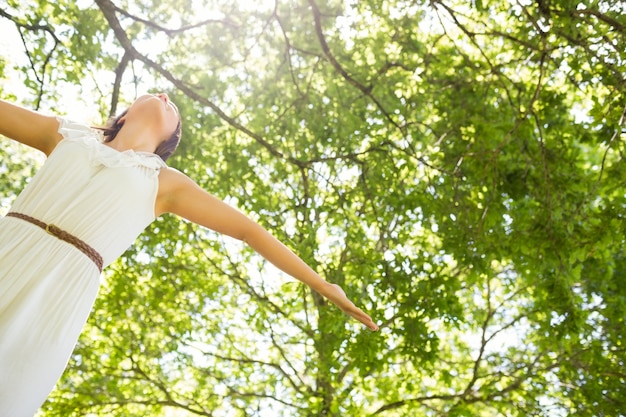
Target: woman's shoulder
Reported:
point(170, 177)
point(172, 180)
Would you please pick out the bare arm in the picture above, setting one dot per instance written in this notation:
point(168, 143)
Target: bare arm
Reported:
point(29, 127)
point(180, 195)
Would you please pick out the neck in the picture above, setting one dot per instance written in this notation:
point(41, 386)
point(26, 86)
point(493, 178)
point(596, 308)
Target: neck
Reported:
point(136, 137)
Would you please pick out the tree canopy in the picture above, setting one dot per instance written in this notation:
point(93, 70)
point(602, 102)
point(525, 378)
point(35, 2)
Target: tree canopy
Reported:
point(457, 167)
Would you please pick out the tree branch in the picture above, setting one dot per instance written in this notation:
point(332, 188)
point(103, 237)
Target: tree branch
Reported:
point(109, 9)
point(170, 32)
point(34, 28)
point(119, 74)
point(366, 90)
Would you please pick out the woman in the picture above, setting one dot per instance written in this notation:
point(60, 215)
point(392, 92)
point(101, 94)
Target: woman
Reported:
point(82, 209)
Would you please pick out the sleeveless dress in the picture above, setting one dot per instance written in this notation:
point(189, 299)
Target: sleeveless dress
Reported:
point(47, 286)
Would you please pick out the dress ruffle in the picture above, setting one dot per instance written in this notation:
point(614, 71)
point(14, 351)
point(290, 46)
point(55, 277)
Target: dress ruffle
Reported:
point(92, 140)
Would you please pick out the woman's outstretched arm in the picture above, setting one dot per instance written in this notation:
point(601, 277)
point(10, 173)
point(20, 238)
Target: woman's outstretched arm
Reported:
point(29, 127)
point(181, 196)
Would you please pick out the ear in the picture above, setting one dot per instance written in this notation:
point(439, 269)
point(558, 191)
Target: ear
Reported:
point(121, 121)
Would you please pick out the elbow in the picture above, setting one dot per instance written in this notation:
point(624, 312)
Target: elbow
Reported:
point(252, 235)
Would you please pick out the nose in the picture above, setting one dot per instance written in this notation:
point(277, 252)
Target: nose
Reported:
point(163, 97)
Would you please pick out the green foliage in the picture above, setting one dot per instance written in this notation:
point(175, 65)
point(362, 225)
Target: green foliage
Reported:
point(458, 170)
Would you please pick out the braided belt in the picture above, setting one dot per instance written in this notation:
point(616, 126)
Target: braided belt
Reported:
point(64, 236)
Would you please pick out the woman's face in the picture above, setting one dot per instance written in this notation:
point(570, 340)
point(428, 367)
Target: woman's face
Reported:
point(156, 109)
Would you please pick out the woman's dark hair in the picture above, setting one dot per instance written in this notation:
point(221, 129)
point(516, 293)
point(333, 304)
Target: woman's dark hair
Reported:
point(165, 148)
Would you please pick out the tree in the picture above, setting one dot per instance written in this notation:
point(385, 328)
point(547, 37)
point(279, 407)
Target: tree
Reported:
point(458, 169)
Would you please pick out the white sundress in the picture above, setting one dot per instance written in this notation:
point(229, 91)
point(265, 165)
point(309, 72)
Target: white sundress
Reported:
point(47, 286)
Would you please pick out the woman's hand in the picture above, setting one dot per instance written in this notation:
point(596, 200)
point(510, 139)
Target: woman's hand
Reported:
point(338, 297)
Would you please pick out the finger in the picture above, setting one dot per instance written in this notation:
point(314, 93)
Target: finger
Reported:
point(371, 325)
point(364, 318)
point(352, 310)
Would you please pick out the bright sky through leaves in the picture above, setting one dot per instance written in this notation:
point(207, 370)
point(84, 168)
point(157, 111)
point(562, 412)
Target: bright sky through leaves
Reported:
point(457, 167)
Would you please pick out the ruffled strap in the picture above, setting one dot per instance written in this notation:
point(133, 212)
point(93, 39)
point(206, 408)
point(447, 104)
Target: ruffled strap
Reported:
point(92, 140)
point(74, 130)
